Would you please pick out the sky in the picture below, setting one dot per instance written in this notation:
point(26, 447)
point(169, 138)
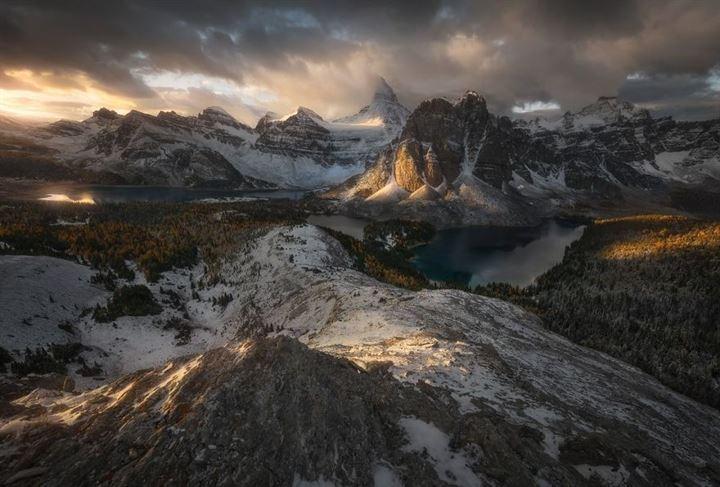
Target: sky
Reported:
point(64, 59)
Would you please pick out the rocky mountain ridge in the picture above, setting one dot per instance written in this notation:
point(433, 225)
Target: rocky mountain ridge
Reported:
point(449, 161)
point(300, 150)
point(607, 151)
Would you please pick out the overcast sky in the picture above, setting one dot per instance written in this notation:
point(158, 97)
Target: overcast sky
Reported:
point(67, 58)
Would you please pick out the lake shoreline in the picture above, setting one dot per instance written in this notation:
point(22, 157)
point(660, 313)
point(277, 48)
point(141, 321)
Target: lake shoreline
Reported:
point(479, 255)
point(467, 256)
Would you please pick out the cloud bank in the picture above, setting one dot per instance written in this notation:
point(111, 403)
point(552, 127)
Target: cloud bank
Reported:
point(65, 58)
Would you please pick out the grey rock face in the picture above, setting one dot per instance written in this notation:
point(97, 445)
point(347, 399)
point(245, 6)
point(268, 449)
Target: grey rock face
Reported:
point(409, 171)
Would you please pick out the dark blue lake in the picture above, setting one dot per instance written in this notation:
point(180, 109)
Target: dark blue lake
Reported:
point(479, 255)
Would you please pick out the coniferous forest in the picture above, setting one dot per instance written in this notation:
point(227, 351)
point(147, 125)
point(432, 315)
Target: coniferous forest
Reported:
point(644, 289)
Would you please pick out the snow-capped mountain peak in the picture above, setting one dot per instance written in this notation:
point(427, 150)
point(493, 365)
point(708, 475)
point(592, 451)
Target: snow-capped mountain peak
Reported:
point(301, 115)
point(606, 110)
point(304, 112)
point(384, 109)
point(217, 109)
point(218, 115)
point(105, 114)
point(265, 120)
point(384, 92)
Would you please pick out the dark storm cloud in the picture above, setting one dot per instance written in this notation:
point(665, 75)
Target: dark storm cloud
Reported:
point(659, 88)
point(571, 19)
point(686, 95)
point(532, 50)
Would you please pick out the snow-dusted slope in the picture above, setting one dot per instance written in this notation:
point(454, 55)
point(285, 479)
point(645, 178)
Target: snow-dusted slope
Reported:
point(264, 412)
point(488, 362)
point(33, 302)
point(46, 300)
point(486, 352)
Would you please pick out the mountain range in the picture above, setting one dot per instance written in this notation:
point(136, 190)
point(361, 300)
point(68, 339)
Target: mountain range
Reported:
point(458, 160)
point(299, 150)
point(452, 160)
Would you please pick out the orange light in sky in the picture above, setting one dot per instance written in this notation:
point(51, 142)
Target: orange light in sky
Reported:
point(46, 96)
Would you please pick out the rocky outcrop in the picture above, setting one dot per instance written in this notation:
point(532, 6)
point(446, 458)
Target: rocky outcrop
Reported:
point(105, 114)
point(433, 173)
point(436, 124)
point(409, 168)
point(416, 166)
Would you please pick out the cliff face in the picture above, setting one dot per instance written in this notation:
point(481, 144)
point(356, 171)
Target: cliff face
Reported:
point(409, 165)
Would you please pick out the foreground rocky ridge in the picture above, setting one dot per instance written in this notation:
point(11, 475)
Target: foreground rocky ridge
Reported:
point(488, 393)
point(265, 412)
